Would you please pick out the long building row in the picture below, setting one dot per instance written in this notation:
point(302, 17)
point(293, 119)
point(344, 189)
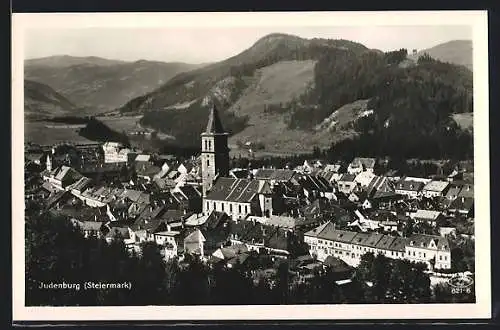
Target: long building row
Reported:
point(350, 246)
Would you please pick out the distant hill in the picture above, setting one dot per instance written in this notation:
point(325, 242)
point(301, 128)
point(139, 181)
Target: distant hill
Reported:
point(41, 100)
point(456, 52)
point(283, 92)
point(100, 85)
point(61, 61)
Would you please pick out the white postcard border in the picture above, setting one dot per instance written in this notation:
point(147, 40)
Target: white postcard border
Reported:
point(477, 19)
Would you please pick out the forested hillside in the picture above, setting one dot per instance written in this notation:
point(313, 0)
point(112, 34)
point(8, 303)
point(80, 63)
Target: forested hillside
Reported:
point(40, 100)
point(411, 104)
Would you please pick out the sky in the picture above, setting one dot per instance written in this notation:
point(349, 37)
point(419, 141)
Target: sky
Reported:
point(202, 45)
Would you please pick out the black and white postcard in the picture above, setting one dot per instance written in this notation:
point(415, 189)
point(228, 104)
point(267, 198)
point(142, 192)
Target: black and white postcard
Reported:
point(250, 166)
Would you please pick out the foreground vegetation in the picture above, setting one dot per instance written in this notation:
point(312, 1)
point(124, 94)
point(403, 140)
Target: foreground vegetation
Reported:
point(56, 251)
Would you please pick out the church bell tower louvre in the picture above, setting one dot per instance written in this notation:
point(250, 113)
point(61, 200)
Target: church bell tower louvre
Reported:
point(214, 151)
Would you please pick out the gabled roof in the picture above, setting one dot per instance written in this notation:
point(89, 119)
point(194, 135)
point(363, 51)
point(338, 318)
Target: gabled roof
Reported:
point(214, 125)
point(409, 185)
point(467, 191)
point(274, 174)
point(195, 237)
point(398, 244)
point(438, 186)
point(424, 241)
point(347, 177)
point(234, 190)
point(316, 231)
point(142, 158)
point(427, 214)
point(462, 204)
point(366, 162)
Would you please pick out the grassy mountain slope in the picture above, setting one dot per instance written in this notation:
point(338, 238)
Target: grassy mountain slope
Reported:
point(41, 100)
point(456, 52)
point(101, 85)
point(280, 91)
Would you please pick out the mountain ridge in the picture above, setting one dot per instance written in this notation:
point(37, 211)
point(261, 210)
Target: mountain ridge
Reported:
point(102, 85)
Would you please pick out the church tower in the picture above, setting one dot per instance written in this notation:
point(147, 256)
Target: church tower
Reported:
point(214, 151)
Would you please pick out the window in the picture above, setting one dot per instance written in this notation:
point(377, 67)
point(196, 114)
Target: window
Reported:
point(239, 208)
point(445, 258)
point(208, 206)
point(208, 162)
point(440, 257)
point(210, 144)
point(246, 208)
point(413, 253)
point(214, 205)
point(424, 254)
point(231, 208)
point(206, 147)
point(222, 205)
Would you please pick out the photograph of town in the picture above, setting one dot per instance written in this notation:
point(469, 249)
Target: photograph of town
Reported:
point(249, 166)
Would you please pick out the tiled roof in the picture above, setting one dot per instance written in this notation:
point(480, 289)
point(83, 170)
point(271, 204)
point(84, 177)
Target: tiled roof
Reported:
point(421, 240)
point(427, 214)
point(274, 174)
point(436, 186)
point(409, 185)
point(398, 244)
point(347, 177)
point(332, 234)
point(462, 204)
point(467, 191)
point(195, 237)
point(234, 190)
point(385, 242)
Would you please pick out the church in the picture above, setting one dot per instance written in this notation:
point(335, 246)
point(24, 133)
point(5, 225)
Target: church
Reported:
point(238, 198)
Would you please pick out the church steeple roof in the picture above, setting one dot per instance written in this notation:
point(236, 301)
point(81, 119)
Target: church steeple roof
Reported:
point(214, 125)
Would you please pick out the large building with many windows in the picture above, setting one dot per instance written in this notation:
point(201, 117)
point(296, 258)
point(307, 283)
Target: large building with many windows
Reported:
point(349, 246)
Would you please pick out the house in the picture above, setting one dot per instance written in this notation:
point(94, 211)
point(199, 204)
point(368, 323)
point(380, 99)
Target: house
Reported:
point(462, 205)
point(274, 175)
point(435, 189)
point(239, 198)
point(467, 191)
point(232, 255)
point(364, 178)
point(62, 177)
point(359, 165)
point(453, 191)
point(115, 152)
point(121, 232)
point(429, 249)
point(409, 188)
point(363, 224)
point(79, 186)
point(90, 228)
point(147, 171)
point(427, 216)
point(315, 187)
point(346, 183)
point(167, 240)
point(189, 198)
point(194, 243)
